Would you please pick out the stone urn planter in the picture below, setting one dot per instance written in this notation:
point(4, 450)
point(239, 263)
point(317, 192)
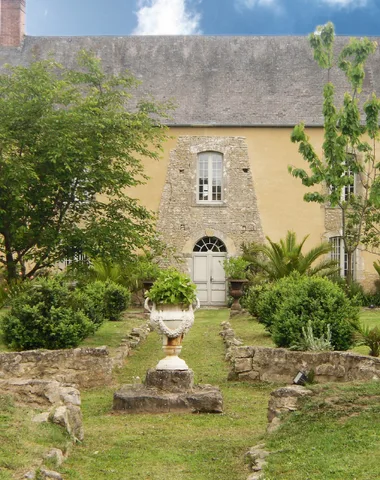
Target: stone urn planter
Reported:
point(236, 291)
point(172, 322)
point(147, 285)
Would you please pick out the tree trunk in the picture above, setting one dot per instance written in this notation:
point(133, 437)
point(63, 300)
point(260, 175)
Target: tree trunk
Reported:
point(11, 270)
point(349, 276)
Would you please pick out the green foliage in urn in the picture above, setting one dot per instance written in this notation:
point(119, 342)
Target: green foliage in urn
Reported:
point(236, 268)
point(173, 287)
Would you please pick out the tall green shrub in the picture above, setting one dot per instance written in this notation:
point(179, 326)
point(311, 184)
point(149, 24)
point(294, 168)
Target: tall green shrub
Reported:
point(45, 317)
point(296, 300)
point(116, 299)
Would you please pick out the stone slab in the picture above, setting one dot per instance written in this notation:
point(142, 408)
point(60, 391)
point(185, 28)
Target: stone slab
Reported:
point(142, 399)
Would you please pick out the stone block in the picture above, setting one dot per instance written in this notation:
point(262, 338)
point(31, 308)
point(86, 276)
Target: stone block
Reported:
point(206, 399)
point(140, 399)
point(329, 370)
point(170, 380)
point(243, 352)
point(249, 376)
point(242, 365)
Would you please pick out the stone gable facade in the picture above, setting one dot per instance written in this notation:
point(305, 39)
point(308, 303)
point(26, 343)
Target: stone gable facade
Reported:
point(183, 220)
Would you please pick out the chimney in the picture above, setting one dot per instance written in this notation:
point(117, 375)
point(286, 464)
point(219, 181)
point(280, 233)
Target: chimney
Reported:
point(12, 22)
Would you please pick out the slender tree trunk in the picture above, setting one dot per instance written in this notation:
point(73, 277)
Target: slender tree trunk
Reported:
point(10, 262)
point(349, 276)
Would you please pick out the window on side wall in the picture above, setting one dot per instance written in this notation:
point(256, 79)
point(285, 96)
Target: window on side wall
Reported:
point(349, 189)
point(340, 256)
point(210, 177)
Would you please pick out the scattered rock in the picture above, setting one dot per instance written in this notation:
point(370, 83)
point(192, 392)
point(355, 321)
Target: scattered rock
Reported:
point(50, 474)
point(55, 455)
point(31, 475)
point(255, 457)
point(41, 417)
point(39, 393)
point(70, 418)
point(284, 400)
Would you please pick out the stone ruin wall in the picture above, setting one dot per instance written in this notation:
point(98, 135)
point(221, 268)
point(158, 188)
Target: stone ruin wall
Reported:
point(264, 364)
point(84, 367)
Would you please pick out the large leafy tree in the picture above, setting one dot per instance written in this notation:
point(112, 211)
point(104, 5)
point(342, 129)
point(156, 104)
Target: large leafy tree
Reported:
point(349, 148)
point(71, 145)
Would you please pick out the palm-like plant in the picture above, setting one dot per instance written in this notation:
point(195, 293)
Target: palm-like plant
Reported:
point(284, 257)
point(104, 270)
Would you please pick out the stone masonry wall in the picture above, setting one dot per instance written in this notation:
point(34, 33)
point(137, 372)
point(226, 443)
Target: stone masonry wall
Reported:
point(84, 367)
point(281, 365)
point(182, 221)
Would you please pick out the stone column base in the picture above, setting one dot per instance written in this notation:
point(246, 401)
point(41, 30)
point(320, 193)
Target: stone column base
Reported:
point(168, 391)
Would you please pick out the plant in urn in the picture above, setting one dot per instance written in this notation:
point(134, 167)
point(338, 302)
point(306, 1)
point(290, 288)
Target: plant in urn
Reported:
point(170, 304)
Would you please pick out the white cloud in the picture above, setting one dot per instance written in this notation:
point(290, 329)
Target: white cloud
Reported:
point(166, 17)
point(346, 3)
point(46, 13)
point(274, 5)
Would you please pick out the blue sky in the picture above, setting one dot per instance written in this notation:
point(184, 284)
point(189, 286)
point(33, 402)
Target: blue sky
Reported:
point(207, 17)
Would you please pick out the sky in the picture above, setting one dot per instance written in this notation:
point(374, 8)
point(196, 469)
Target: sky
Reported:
point(200, 17)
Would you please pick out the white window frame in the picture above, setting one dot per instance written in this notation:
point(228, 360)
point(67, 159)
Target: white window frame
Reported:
point(340, 256)
point(210, 175)
point(350, 189)
point(347, 190)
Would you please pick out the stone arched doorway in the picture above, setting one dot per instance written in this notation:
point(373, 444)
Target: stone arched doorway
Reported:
point(208, 272)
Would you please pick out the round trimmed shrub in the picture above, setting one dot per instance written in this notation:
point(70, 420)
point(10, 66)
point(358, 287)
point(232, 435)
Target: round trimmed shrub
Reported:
point(116, 299)
point(251, 297)
point(295, 300)
point(91, 300)
point(45, 317)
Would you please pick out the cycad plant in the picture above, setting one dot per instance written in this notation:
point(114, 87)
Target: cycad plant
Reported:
point(283, 258)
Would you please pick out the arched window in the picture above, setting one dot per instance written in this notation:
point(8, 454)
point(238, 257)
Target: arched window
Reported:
point(209, 244)
point(210, 177)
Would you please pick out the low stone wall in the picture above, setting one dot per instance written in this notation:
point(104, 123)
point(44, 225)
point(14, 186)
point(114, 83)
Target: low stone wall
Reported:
point(84, 367)
point(264, 364)
point(282, 365)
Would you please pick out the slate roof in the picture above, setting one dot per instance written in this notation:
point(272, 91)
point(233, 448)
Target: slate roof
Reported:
point(215, 80)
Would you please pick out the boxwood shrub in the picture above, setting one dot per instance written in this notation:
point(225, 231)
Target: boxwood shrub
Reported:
point(45, 317)
point(295, 300)
point(116, 299)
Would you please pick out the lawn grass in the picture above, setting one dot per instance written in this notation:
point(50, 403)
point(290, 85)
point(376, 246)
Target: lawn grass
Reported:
point(201, 446)
point(23, 442)
point(250, 331)
point(335, 436)
point(179, 446)
point(112, 333)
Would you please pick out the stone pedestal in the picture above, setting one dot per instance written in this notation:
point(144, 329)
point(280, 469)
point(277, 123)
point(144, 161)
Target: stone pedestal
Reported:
point(168, 391)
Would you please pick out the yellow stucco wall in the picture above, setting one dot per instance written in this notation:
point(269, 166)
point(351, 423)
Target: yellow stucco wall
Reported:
point(279, 195)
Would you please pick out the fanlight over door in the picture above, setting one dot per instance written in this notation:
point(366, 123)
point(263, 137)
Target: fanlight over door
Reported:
point(208, 272)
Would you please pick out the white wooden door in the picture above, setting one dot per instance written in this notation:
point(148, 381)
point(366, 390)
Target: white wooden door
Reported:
point(209, 277)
